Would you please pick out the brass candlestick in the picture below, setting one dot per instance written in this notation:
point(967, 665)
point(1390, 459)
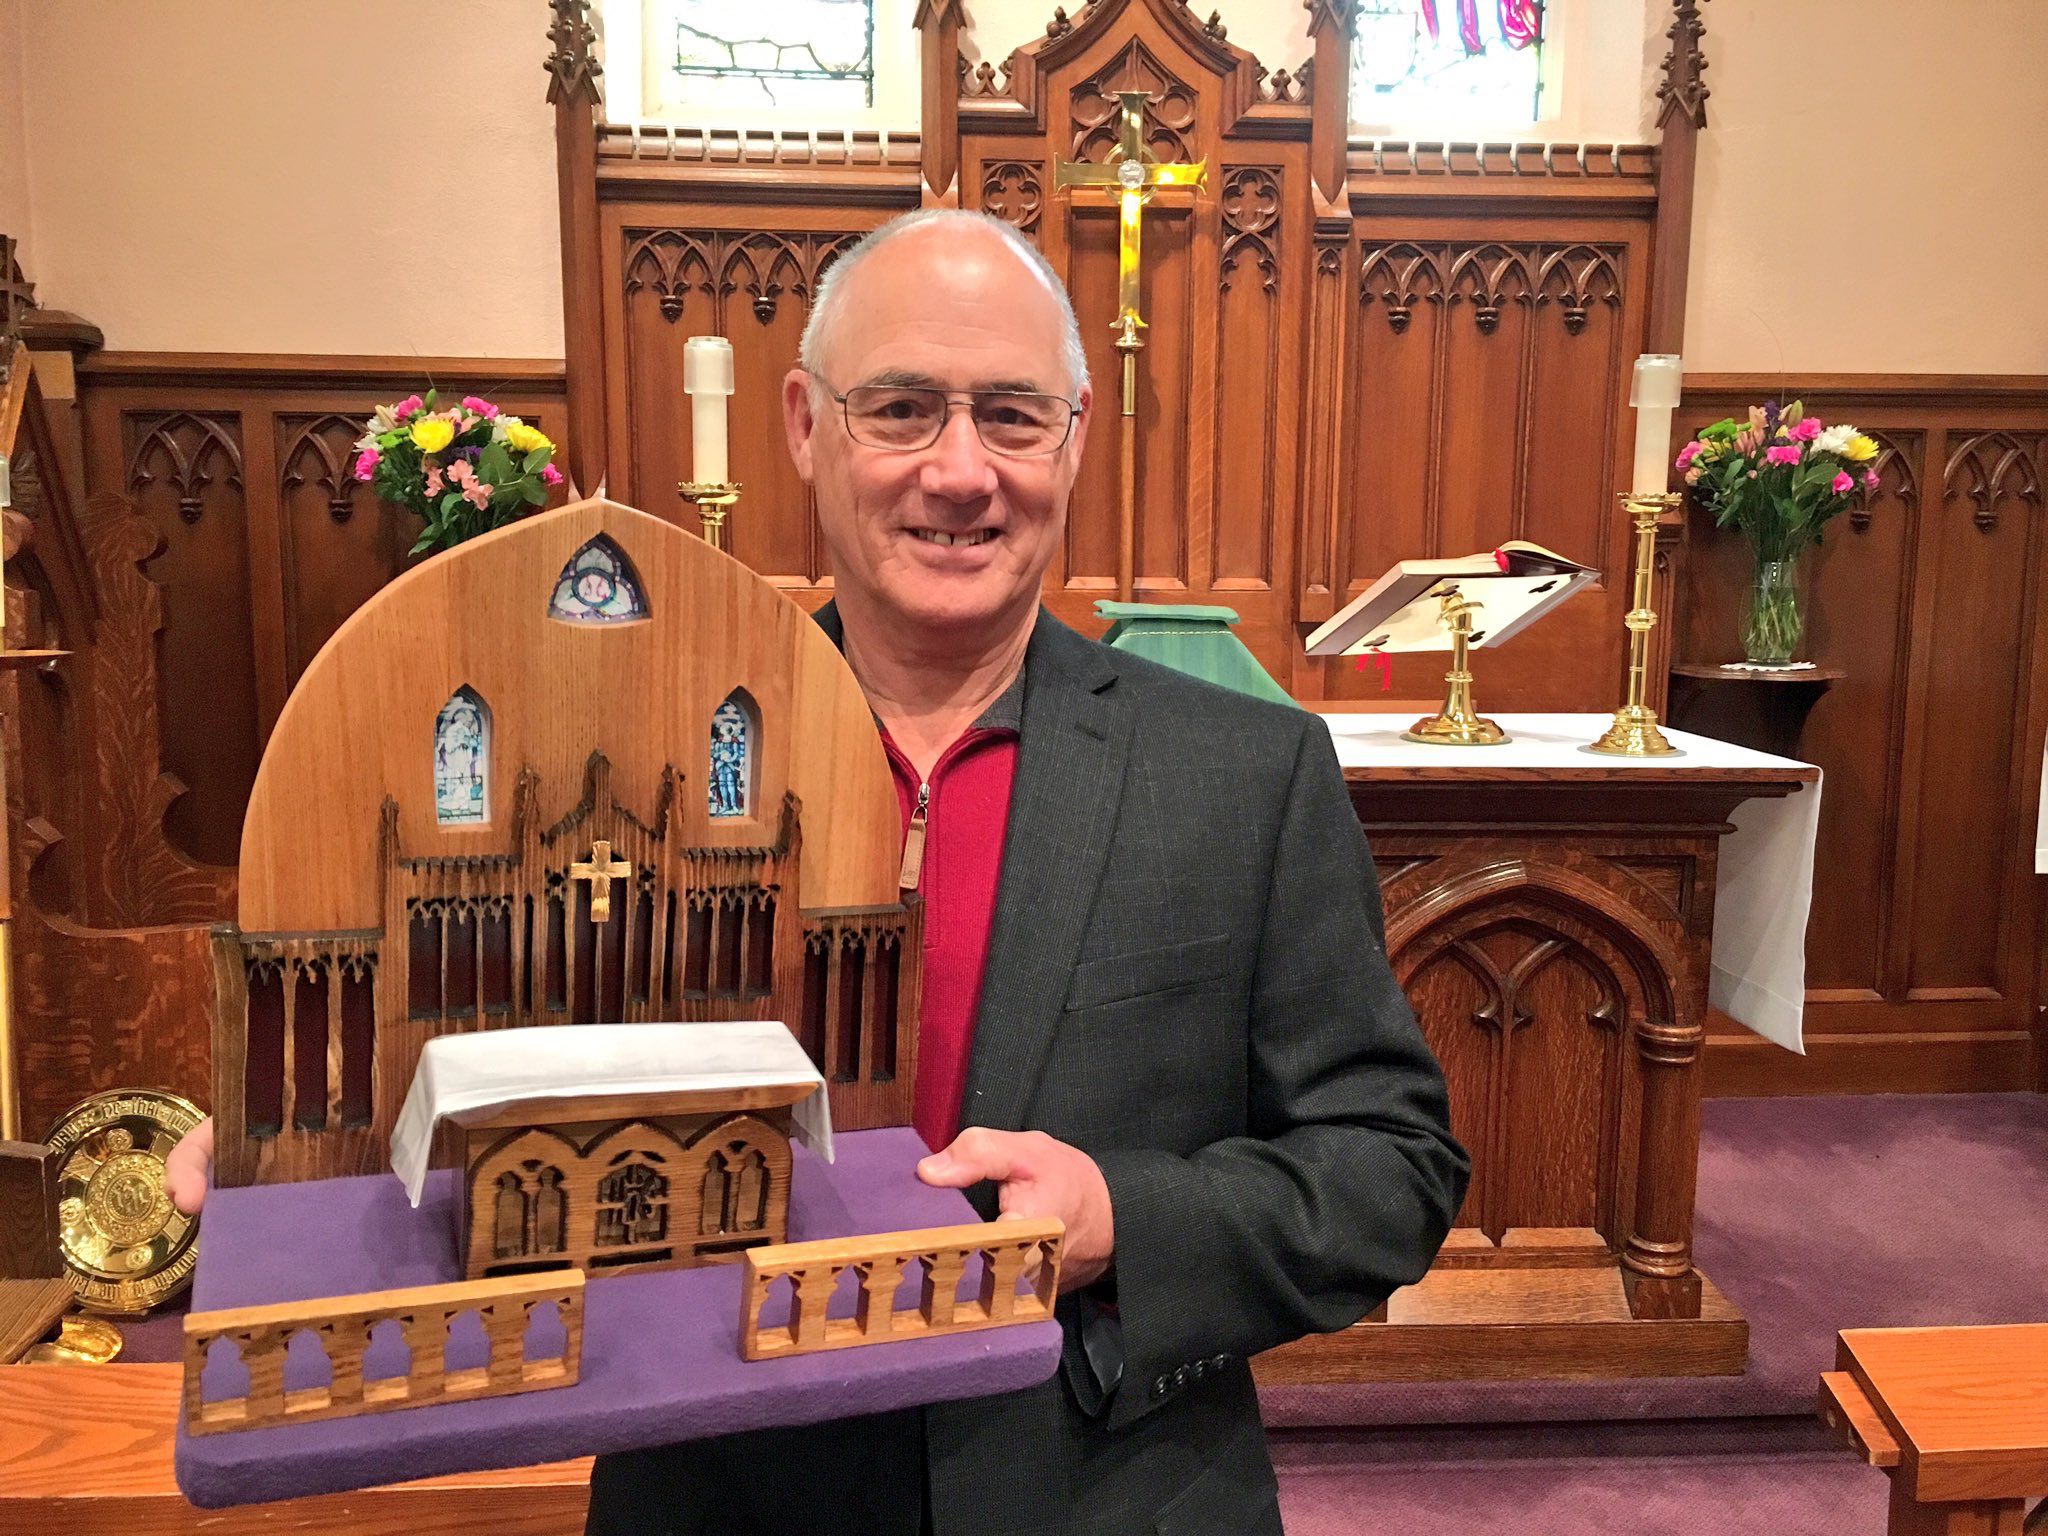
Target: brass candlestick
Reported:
point(1634, 732)
point(1456, 725)
point(714, 498)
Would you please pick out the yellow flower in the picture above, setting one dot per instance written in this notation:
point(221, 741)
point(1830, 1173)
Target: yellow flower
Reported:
point(526, 439)
point(432, 434)
point(1859, 448)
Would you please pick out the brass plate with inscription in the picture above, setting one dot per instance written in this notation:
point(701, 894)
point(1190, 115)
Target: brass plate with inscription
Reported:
point(127, 1247)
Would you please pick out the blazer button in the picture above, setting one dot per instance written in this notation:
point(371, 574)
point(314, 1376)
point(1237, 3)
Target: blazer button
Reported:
point(1180, 1377)
point(1219, 1362)
point(1160, 1387)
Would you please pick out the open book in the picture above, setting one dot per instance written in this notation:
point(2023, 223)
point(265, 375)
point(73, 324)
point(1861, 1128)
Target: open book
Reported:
point(1510, 587)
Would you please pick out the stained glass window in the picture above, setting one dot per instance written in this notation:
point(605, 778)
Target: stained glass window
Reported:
point(1443, 68)
point(598, 586)
point(732, 754)
point(462, 761)
point(816, 55)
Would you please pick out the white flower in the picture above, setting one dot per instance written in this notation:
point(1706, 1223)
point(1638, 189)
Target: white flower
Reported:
point(1834, 439)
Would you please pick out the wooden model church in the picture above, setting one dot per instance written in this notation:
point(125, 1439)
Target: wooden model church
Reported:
point(583, 769)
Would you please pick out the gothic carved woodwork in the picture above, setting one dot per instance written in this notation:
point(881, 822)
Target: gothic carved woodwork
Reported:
point(1015, 193)
point(1096, 115)
point(1990, 468)
point(1251, 220)
point(485, 867)
point(1681, 91)
point(643, 1189)
point(1920, 936)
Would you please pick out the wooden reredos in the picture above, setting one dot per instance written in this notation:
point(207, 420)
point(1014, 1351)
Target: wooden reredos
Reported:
point(582, 769)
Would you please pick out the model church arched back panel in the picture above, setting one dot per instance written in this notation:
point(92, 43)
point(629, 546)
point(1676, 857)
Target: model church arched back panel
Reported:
point(583, 769)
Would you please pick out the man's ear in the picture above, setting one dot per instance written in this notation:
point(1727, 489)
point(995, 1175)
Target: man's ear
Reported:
point(799, 419)
point(1083, 413)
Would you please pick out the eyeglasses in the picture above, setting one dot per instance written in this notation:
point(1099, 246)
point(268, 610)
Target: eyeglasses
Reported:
point(903, 418)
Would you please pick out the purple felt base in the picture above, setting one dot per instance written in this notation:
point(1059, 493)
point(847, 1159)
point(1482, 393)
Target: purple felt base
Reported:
point(661, 1356)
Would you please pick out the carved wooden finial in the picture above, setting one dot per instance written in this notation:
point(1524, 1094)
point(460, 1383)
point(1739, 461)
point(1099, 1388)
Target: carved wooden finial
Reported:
point(1682, 90)
point(572, 67)
point(1059, 26)
point(1214, 26)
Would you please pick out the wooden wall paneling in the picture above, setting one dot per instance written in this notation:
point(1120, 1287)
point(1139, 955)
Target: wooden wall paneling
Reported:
point(1920, 949)
point(675, 270)
point(260, 543)
point(573, 91)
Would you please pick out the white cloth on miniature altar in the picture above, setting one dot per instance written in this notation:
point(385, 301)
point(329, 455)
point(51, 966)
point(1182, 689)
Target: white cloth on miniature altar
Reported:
point(458, 1074)
point(1765, 886)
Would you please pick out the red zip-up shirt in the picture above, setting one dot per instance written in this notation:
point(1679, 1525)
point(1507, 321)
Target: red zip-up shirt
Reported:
point(965, 806)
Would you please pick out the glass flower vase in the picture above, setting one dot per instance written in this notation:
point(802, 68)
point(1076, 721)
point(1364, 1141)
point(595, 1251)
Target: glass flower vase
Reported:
point(1771, 620)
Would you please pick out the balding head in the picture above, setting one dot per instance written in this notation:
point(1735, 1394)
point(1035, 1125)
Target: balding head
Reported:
point(962, 229)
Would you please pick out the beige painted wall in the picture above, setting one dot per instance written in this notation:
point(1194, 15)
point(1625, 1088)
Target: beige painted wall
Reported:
point(14, 202)
point(1872, 196)
point(280, 176)
point(248, 175)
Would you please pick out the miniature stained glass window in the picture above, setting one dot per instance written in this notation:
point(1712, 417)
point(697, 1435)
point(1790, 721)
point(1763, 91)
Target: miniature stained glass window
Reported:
point(462, 761)
point(732, 755)
point(1437, 68)
point(812, 54)
point(598, 586)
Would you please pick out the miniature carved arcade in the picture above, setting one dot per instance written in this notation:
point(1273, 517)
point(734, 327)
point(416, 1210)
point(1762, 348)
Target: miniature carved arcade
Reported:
point(583, 769)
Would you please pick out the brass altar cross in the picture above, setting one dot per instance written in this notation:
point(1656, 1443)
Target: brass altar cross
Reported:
point(1130, 174)
point(600, 871)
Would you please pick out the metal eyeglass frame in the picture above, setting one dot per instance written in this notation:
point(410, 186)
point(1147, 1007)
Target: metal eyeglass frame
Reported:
point(952, 404)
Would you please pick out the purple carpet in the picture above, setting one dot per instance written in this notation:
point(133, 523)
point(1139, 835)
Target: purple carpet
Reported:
point(1814, 1214)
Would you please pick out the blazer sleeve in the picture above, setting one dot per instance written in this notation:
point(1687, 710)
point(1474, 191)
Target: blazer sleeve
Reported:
point(1347, 1182)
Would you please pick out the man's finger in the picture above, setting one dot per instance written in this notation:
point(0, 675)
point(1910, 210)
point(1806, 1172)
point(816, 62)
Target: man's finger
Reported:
point(188, 1167)
point(977, 1153)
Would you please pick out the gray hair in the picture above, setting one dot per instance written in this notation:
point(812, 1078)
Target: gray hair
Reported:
point(825, 309)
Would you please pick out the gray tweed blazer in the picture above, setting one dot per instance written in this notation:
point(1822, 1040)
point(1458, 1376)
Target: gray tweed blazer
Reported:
point(1187, 980)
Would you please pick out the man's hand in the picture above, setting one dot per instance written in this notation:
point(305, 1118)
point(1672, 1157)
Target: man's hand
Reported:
point(1038, 1177)
point(189, 1166)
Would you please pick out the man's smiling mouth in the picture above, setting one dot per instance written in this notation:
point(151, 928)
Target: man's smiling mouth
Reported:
point(934, 536)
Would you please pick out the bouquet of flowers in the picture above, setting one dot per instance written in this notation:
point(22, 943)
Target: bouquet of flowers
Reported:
point(465, 469)
point(1778, 477)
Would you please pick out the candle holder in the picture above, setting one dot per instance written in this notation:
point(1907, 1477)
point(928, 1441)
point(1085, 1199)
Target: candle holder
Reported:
point(1634, 731)
point(713, 499)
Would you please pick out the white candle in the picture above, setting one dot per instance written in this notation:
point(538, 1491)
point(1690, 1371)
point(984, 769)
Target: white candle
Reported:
point(707, 380)
point(1654, 393)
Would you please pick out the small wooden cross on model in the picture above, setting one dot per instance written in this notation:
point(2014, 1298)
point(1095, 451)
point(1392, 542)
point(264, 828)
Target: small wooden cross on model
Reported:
point(601, 870)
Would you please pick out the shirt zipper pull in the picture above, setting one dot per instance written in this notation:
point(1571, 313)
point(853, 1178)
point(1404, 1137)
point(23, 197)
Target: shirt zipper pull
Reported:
point(913, 842)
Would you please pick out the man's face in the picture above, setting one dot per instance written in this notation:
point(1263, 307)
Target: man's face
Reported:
point(957, 310)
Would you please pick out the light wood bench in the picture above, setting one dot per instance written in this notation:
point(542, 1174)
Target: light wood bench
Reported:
point(1957, 1416)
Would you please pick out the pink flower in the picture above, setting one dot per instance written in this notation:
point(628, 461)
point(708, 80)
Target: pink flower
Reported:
point(1785, 454)
point(407, 406)
point(1870, 479)
point(474, 491)
point(1842, 484)
point(366, 463)
point(1689, 452)
point(549, 475)
point(482, 408)
point(434, 481)
point(1806, 429)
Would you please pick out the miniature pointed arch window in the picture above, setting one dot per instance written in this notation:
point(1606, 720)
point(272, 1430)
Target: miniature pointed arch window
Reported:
point(735, 744)
point(598, 586)
point(462, 760)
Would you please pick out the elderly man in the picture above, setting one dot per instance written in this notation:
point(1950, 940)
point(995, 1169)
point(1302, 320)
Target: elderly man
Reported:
point(1156, 1000)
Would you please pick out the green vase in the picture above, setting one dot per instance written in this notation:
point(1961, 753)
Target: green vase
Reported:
point(1771, 622)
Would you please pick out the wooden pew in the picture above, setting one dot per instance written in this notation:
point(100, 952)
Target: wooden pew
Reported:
point(86, 1450)
point(1957, 1416)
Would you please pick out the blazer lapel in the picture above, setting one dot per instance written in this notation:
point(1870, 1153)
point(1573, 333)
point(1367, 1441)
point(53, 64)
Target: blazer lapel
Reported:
point(1070, 773)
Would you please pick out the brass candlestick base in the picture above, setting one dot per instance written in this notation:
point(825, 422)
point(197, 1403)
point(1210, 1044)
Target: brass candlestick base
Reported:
point(1457, 724)
point(713, 498)
point(1634, 731)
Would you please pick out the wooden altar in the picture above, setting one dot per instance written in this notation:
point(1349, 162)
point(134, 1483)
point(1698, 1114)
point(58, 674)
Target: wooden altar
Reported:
point(1552, 928)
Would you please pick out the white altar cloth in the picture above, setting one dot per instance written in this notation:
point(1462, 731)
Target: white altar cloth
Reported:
point(1765, 886)
point(460, 1074)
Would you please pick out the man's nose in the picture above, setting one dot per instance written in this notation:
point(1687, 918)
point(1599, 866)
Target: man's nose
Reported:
point(958, 467)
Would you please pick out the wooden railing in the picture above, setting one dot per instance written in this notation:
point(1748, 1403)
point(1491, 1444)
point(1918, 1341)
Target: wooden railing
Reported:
point(343, 1324)
point(1011, 1250)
